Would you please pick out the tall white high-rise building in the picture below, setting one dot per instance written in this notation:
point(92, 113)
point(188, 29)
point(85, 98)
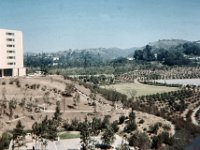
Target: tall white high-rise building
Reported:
point(11, 53)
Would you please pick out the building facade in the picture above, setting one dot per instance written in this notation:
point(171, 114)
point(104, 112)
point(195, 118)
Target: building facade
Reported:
point(11, 53)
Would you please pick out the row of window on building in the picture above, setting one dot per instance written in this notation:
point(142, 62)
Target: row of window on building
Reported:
point(10, 45)
point(10, 39)
point(9, 33)
point(11, 63)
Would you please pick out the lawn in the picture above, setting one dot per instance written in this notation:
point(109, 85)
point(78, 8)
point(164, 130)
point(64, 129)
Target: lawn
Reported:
point(141, 89)
point(69, 135)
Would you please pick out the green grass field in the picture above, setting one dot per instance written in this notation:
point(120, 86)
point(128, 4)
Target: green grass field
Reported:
point(68, 135)
point(141, 89)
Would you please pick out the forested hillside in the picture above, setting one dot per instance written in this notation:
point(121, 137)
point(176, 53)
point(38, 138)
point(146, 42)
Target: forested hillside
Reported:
point(166, 52)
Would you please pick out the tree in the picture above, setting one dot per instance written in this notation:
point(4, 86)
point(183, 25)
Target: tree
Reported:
point(22, 103)
point(108, 137)
point(19, 130)
point(4, 94)
point(163, 137)
point(85, 132)
point(68, 90)
point(96, 126)
point(131, 126)
point(3, 102)
point(138, 55)
point(51, 130)
point(123, 146)
point(44, 63)
point(139, 140)
point(47, 129)
point(121, 119)
point(36, 128)
point(114, 126)
point(46, 97)
point(12, 105)
point(106, 121)
point(5, 140)
point(76, 98)
point(147, 53)
point(57, 115)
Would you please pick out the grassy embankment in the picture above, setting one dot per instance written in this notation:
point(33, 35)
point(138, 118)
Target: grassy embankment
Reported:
point(69, 135)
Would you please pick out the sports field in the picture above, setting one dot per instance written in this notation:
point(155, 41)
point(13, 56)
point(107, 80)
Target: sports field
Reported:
point(138, 88)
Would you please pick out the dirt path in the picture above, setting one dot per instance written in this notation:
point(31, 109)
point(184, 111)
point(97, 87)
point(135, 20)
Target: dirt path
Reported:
point(70, 111)
point(14, 120)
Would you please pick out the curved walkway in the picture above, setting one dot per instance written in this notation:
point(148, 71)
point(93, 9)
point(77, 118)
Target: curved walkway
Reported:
point(193, 118)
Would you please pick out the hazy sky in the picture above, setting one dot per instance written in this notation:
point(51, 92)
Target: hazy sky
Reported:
point(52, 25)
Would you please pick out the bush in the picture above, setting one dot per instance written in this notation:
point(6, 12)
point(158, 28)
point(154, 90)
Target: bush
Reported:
point(141, 121)
point(154, 128)
point(131, 126)
point(17, 83)
point(121, 119)
point(166, 127)
point(11, 82)
point(114, 126)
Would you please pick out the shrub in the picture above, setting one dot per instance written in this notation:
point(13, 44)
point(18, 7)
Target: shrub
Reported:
point(114, 126)
point(166, 127)
point(17, 83)
point(131, 126)
point(141, 121)
point(154, 128)
point(11, 82)
point(121, 119)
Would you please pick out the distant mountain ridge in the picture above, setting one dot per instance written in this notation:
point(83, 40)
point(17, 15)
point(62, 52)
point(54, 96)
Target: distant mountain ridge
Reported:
point(168, 51)
point(107, 53)
point(113, 53)
point(167, 43)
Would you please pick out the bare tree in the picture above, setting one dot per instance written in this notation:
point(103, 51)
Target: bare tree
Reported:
point(76, 98)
